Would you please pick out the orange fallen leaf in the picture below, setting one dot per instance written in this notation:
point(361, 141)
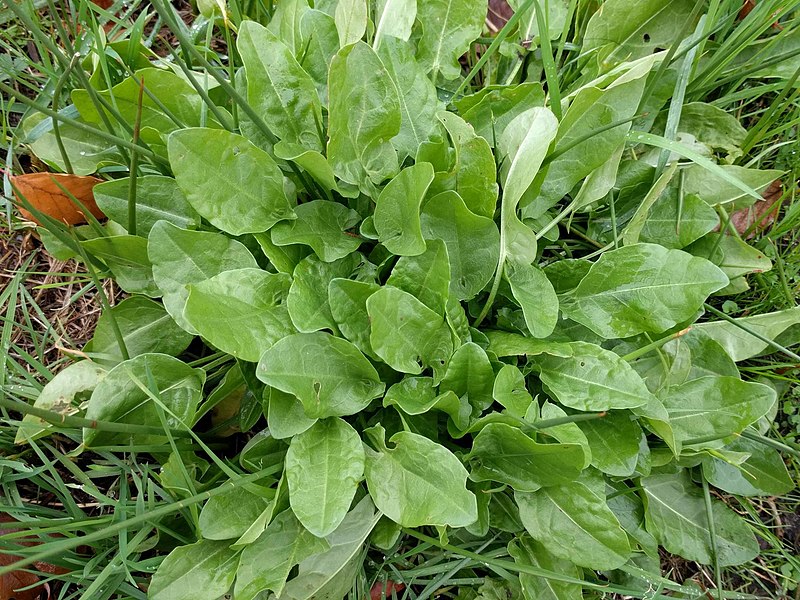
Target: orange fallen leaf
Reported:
point(384, 590)
point(42, 191)
point(22, 584)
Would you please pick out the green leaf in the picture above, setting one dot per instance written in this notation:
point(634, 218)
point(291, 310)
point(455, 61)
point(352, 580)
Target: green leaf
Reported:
point(676, 225)
point(267, 562)
point(473, 174)
point(63, 395)
point(419, 102)
point(676, 515)
point(620, 31)
point(394, 19)
point(406, 334)
point(241, 312)
point(425, 276)
point(397, 210)
point(311, 161)
point(118, 398)
point(592, 379)
point(690, 356)
point(505, 454)
point(285, 415)
point(717, 188)
point(181, 257)
point(230, 514)
point(524, 143)
point(578, 157)
point(157, 198)
point(763, 473)
point(566, 433)
point(172, 92)
point(614, 441)
point(734, 256)
point(285, 23)
point(741, 345)
point(712, 126)
point(418, 482)
point(503, 343)
point(715, 406)
point(573, 522)
point(537, 298)
point(201, 571)
point(641, 288)
point(473, 242)
point(492, 109)
point(324, 465)
point(364, 116)
point(509, 390)
point(308, 302)
point(469, 375)
point(86, 150)
point(322, 225)
point(262, 451)
point(527, 551)
point(126, 257)
point(417, 395)
point(145, 327)
point(319, 41)
point(331, 575)
point(448, 28)
point(555, 17)
point(711, 168)
point(214, 169)
point(351, 20)
point(629, 509)
point(278, 88)
point(328, 374)
point(283, 258)
point(348, 302)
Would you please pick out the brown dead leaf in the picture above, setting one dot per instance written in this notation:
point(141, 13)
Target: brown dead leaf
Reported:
point(42, 191)
point(760, 215)
point(13, 585)
point(498, 15)
point(747, 8)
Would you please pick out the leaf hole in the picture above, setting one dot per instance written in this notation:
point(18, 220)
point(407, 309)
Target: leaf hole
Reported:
point(583, 364)
point(462, 281)
point(236, 150)
point(646, 38)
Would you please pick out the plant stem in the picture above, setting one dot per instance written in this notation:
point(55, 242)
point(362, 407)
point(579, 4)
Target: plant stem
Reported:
point(746, 329)
point(631, 356)
point(79, 422)
point(134, 170)
point(762, 439)
point(712, 532)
